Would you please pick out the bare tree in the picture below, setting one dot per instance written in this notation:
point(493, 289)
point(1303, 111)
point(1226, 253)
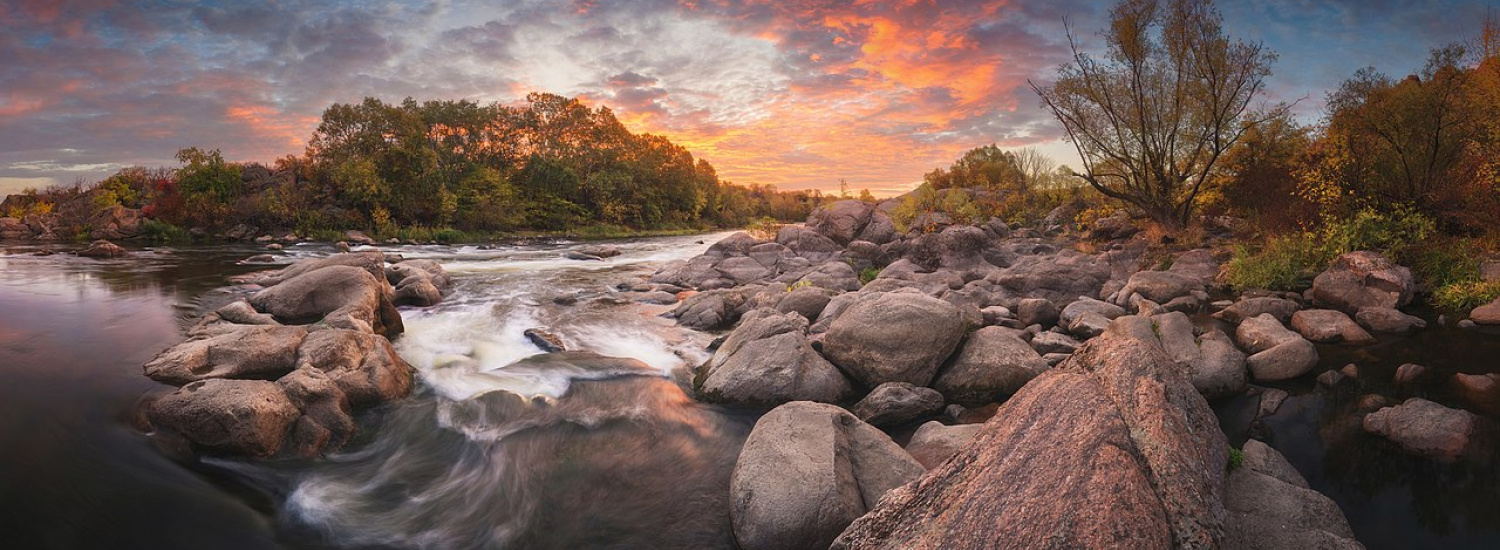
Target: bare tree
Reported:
point(1036, 167)
point(1152, 118)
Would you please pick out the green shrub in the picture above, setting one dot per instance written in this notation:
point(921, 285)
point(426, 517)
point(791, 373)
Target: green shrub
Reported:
point(1236, 459)
point(868, 274)
point(163, 232)
point(1465, 296)
point(1391, 233)
point(1288, 262)
point(451, 236)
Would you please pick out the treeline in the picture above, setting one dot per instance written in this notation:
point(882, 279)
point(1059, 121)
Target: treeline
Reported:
point(551, 164)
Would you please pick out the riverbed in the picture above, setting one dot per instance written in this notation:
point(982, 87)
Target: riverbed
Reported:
point(503, 447)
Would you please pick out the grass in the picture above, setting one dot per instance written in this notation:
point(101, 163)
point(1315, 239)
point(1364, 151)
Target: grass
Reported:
point(868, 274)
point(1236, 459)
point(1465, 296)
point(163, 232)
point(1288, 262)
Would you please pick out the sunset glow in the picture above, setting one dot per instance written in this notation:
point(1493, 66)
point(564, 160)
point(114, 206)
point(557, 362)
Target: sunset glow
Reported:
point(797, 94)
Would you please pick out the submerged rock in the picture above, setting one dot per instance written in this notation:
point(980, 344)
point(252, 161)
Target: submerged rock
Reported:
point(103, 249)
point(1430, 430)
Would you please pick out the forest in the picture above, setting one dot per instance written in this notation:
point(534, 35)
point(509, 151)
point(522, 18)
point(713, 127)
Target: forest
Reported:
point(552, 164)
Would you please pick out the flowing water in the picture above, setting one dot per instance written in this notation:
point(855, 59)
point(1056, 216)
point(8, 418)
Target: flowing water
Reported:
point(505, 447)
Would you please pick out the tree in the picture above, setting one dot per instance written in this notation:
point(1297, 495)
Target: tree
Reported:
point(1152, 118)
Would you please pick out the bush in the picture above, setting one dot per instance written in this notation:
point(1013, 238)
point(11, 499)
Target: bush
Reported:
point(163, 232)
point(451, 236)
point(1236, 459)
point(1465, 296)
point(1392, 233)
point(868, 274)
point(1288, 262)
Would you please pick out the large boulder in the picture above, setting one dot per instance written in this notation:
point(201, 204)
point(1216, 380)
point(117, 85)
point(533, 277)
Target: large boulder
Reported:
point(1271, 508)
point(1216, 368)
point(806, 471)
point(714, 309)
point(264, 352)
point(1060, 277)
point(1363, 279)
point(12, 228)
point(364, 366)
point(841, 221)
point(1117, 428)
point(1082, 306)
point(768, 361)
point(248, 417)
point(115, 222)
point(935, 442)
point(1037, 311)
point(894, 337)
point(1276, 352)
point(325, 424)
point(340, 296)
point(417, 282)
point(1430, 430)
point(806, 243)
point(1488, 314)
point(1327, 326)
point(994, 362)
point(897, 403)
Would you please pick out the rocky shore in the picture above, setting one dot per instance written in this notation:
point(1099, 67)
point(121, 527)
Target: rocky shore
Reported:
point(284, 372)
point(1063, 375)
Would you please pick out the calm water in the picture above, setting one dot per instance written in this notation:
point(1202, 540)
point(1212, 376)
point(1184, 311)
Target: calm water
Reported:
point(599, 453)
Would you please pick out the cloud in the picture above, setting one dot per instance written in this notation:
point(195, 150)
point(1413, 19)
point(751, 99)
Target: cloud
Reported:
point(796, 93)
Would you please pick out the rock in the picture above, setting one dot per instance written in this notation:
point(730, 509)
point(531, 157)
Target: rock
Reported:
point(353, 236)
point(1270, 402)
point(1118, 427)
point(1488, 314)
point(1088, 325)
point(103, 249)
point(894, 337)
point(364, 366)
point(690, 274)
point(743, 269)
point(1037, 311)
point(1380, 319)
point(242, 313)
point(546, 341)
point(248, 417)
point(1215, 367)
point(737, 244)
point(1283, 362)
point(1062, 276)
point(807, 243)
point(934, 442)
point(993, 363)
point(1408, 373)
point(1427, 429)
point(897, 403)
point(233, 351)
point(1489, 270)
point(340, 296)
point(714, 309)
point(1359, 280)
point(1199, 264)
point(1160, 286)
point(841, 221)
point(807, 301)
point(1055, 359)
point(1089, 305)
point(806, 471)
point(115, 222)
point(1270, 507)
point(371, 261)
point(1327, 326)
point(1330, 378)
point(1481, 391)
point(768, 361)
point(600, 251)
point(325, 424)
point(1372, 402)
point(1052, 342)
point(657, 298)
point(1281, 309)
point(273, 247)
point(1262, 333)
point(582, 257)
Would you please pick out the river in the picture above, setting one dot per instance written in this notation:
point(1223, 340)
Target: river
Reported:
point(500, 446)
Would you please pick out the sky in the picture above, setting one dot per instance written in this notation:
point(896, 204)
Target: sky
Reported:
point(795, 93)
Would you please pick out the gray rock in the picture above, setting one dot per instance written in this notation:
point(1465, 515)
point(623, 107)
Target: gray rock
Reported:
point(1161, 286)
point(1088, 325)
point(1037, 311)
point(808, 470)
point(340, 296)
point(993, 363)
point(897, 403)
point(841, 221)
point(768, 361)
point(1268, 512)
point(894, 337)
point(1089, 305)
point(1052, 342)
